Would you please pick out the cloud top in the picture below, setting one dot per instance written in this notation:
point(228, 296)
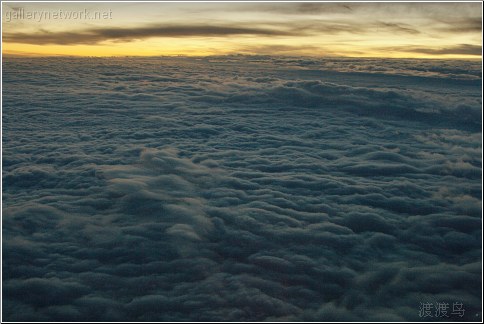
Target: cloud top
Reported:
point(240, 188)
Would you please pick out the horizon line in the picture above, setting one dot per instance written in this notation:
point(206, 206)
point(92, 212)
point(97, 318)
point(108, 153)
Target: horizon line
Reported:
point(31, 55)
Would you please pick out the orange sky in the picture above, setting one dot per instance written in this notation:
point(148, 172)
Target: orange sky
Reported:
point(419, 30)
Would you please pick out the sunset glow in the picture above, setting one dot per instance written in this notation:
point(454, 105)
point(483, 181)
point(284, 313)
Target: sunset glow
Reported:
point(413, 30)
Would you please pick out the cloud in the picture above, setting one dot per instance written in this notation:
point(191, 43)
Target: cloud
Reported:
point(240, 188)
point(300, 8)
point(398, 28)
point(468, 25)
point(97, 35)
point(279, 49)
point(333, 26)
point(317, 28)
point(116, 34)
point(464, 49)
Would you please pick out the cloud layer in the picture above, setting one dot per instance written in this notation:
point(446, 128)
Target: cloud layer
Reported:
point(240, 188)
point(465, 49)
point(96, 35)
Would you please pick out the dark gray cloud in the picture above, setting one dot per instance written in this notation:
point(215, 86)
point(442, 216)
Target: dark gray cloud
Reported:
point(300, 8)
point(350, 26)
point(295, 28)
point(398, 28)
point(461, 49)
point(467, 25)
point(97, 35)
point(467, 49)
point(240, 188)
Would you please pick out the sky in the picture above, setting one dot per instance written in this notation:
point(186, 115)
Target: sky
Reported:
point(391, 30)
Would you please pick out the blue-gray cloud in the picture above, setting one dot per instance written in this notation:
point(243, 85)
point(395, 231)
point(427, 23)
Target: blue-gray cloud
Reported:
point(240, 188)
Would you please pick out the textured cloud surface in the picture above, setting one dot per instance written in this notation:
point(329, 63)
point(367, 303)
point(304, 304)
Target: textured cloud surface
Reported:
point(240, 188)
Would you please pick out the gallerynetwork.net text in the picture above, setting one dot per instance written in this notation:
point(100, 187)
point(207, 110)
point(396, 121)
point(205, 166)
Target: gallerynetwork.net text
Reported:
point(39, 15)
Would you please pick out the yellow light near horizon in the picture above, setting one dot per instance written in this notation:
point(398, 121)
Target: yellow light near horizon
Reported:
point(126, 50)
point(138, 48)
point(364, 46)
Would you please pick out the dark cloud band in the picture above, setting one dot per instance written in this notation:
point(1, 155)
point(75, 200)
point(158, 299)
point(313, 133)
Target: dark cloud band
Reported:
point(94, 36)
